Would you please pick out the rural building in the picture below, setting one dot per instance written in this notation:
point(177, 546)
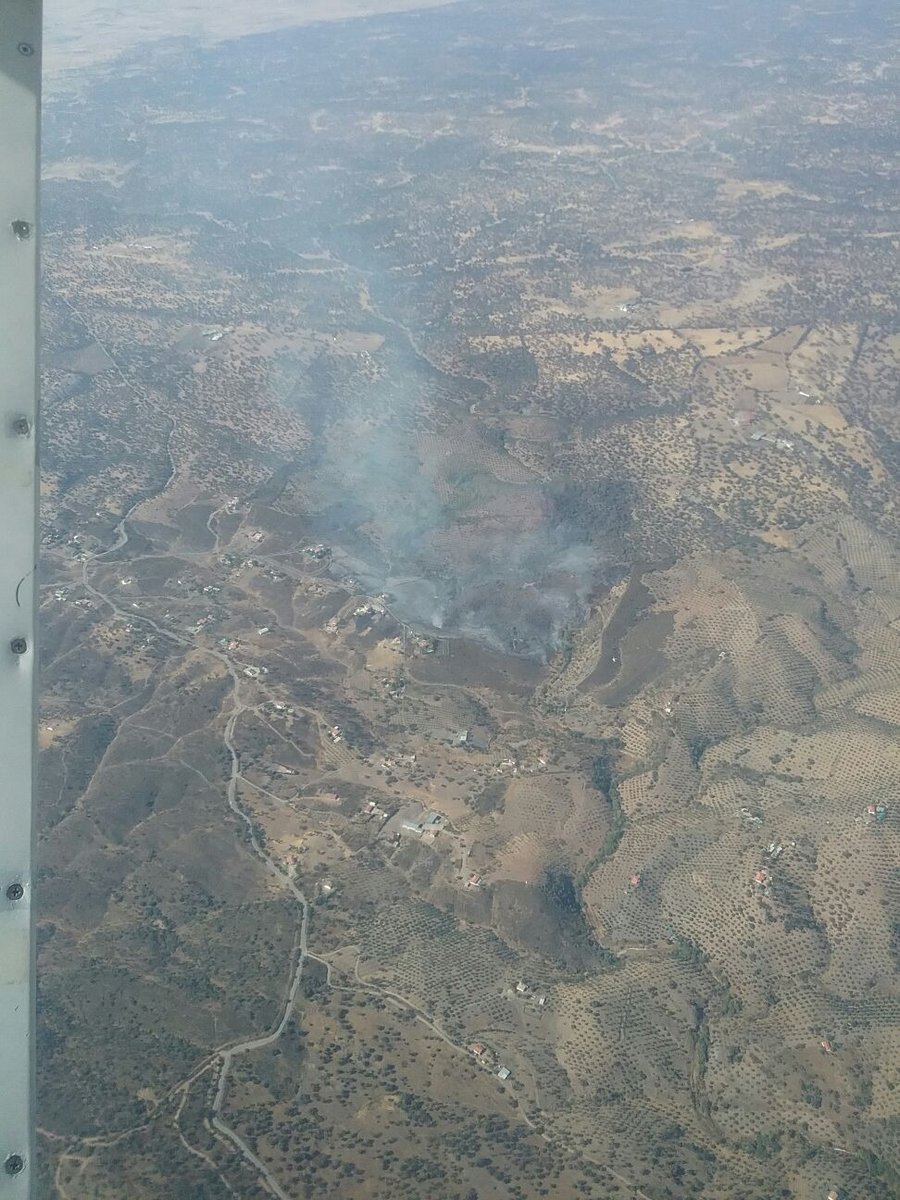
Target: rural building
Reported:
point(413, 820)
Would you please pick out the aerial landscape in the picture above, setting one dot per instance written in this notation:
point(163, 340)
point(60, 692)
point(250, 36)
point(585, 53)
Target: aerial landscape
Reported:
point(471, 605)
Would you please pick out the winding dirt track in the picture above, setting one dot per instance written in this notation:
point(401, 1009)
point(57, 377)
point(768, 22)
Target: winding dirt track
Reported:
point(80, 1150)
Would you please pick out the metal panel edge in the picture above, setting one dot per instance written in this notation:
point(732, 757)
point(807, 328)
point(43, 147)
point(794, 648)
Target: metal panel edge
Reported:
point(20, 83)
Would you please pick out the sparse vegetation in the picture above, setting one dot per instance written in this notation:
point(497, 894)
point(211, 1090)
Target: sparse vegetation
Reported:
point(493, 315)
point(687, 951)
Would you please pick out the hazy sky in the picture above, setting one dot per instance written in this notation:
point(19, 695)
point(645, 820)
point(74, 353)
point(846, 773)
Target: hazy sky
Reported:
point(77, 32)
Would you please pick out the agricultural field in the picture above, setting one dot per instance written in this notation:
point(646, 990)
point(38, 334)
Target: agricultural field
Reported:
point(470, 601)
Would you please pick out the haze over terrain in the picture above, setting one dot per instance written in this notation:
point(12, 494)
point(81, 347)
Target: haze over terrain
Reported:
point(470, 601)
point(81, 32)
